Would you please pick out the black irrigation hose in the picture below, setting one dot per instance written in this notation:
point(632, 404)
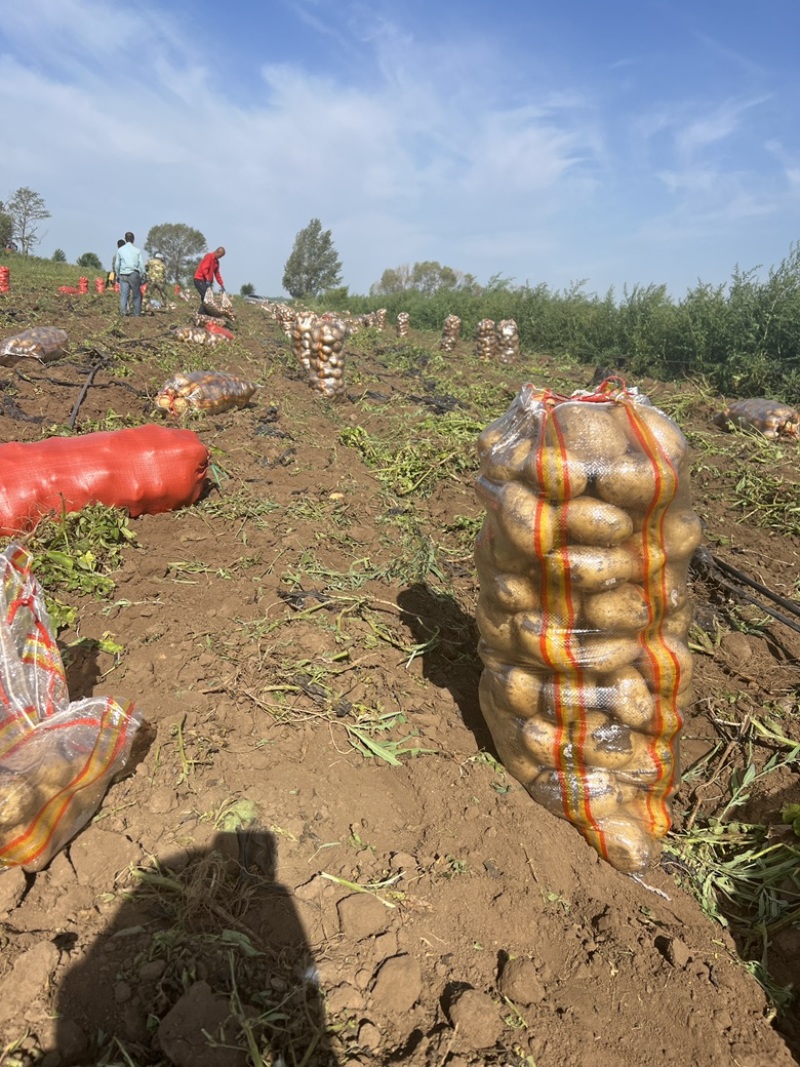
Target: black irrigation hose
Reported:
point(790, 605)
point(707, 563)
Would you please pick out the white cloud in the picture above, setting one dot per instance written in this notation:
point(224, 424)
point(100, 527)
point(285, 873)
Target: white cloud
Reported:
point(406, 147)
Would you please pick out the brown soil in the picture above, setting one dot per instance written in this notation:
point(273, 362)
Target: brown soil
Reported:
point(175, 926)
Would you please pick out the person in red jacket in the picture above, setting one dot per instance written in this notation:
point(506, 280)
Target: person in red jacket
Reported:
point(207, 273)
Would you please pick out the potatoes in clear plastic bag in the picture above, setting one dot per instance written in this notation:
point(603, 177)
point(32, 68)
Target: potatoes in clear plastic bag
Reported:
point(583, 609)
point(44, 343)
point(57, 758)
point(204, 390)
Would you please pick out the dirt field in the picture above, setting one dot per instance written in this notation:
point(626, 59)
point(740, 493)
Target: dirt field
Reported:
point(318, 859)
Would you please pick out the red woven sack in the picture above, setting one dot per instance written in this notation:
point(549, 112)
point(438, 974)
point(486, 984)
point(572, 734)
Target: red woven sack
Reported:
point(146, 470)
point(214, 327)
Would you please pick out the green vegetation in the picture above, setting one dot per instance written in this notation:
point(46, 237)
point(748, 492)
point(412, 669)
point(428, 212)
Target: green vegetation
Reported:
point(313, 265)
point(181, 246)
point(744, 338)
point(34, 274)
point(89, 259)
point(76, 553)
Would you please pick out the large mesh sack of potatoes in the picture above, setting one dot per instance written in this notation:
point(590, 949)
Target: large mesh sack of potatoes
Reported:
point(57, 758)
point(146, 470)
point(583, 609)
point(770, 417)
point(218, 305)
point(44, 343)
point(204, 390)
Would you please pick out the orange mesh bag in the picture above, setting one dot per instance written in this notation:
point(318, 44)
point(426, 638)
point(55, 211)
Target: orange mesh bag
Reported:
point(57, 758)
point(145, 470)
point(583, 609)
point(204, 390)
point(771, 417)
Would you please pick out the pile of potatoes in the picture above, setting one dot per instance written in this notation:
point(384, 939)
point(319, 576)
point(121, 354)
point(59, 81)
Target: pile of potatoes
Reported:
point(507, 341)
point(198, 335)
point(451, 331)
point(403, 319)
point(285, 317)
point(486, 339)
point(583, 609)
point(318, 343)
point(376, 320)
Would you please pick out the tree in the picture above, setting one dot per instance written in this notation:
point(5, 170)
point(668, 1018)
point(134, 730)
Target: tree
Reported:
point(180, 245)
point(427, 277)
point(90, 259)
point(59, 256)
point(26, 208)
point(6, 226)
point(313, 265)
point(248, 289)
point(393, 280)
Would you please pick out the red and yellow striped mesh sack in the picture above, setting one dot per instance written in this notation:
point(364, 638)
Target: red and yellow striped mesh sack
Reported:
point(57, 758)
point(583, 609)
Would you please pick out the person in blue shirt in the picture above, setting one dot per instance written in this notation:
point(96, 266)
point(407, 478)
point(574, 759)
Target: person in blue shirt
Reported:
point(130, 271)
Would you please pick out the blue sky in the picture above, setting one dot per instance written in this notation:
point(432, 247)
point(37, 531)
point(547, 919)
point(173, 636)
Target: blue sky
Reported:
point(637, 142)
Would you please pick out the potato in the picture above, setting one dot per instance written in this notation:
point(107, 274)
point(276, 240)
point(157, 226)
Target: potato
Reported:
point(555, 474)
point(635, 483)
point(495, 628)
point(528, 521)
point(590, 568)
point(493, 434)
point(624, 694)
point(506, 731)
point(666, 665)
point(681, 532)
point(589, 432)
point(580, 797)
point(674, 584)
point(494, 552)
point(588, 521)
point(509, 592)
point(602, 741)
point(650, 810)
point(522, 690)
point(603, 654)
point(623, 842)
point(651, 430)
point(543, 741)
point(506, 461)
point(619, 610)
point(547, 644)
point(19, 802)
point(566, 697)
point(652, 764)
point(647, 556)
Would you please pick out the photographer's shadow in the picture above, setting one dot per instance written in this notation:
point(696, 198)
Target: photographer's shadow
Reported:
point(450, 657)
point(206, 964)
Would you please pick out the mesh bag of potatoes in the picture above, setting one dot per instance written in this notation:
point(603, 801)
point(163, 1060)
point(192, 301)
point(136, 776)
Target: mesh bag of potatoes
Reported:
point(770, 417)
point(57, 758)
point(204, 390)
point(44, 343)
point(583, 609)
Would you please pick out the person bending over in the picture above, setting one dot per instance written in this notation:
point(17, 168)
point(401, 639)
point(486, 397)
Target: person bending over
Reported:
point(207, 273)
